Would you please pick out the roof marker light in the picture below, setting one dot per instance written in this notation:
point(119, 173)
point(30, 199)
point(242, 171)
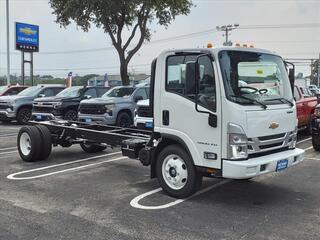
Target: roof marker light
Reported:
point(209, 45)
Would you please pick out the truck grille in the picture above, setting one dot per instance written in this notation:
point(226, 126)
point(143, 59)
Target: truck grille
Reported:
point(269, 143)
point(4, 106)
point(42, 107)
point(92, 109)
point(144, 111)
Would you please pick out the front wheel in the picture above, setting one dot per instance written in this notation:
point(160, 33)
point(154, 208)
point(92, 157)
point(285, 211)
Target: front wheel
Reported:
point(24, 115)
point(176, 173)
point(71, 115)
point(316, 142)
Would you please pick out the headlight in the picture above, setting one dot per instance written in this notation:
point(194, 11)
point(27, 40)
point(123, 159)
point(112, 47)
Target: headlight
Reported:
point(12, 102)
point(110, 108)
point(56, 104)
point(317, 112)
point(238, 143)
point(293, 136)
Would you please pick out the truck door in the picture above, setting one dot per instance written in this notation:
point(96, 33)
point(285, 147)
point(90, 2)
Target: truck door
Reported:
point(181, 120)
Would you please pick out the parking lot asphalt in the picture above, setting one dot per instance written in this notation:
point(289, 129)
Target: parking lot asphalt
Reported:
point(76, 195)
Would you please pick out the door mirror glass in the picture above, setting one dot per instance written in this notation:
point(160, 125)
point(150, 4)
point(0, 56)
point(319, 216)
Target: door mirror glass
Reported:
point(190, 78)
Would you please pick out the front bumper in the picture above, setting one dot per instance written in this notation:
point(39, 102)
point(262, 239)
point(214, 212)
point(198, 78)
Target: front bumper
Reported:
point(104, 119)
point(261, 165)
point(6, 115)
point(140, 122)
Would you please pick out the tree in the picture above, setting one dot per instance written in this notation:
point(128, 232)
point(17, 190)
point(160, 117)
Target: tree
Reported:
point(314, 72)
point(116, 15)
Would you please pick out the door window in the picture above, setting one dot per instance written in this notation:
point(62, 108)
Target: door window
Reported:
point(176, 80)
point(91, 92)
point(48, 92)
point(296, 94)
point(141, 93)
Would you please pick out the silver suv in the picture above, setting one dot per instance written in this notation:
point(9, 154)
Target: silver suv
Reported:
point(115, 107)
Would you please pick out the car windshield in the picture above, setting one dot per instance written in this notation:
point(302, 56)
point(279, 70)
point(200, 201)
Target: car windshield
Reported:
point(3, 89)
point(31, 91)
point(70, 92)
point(122, 92)
point(255, 78)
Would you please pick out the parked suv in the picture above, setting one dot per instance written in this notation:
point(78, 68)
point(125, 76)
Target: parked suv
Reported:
point(10, 90)
point(65, 104)
point(19, 107)
point(143, 115)
point(116, 107)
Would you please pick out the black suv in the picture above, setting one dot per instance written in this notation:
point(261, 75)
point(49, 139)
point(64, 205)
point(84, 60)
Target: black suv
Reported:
point(316, 128)
point(65, 104)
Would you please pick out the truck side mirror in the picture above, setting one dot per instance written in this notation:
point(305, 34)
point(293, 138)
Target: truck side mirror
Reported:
point(190, 78)
point(41, 95)
point(291, 77)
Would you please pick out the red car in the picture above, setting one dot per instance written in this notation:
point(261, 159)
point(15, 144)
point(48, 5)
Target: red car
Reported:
point(11, 89)
point(306, 104)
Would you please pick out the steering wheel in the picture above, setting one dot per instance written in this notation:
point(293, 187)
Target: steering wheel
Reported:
point(251, 88)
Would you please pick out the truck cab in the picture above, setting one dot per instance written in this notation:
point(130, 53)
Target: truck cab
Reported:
point(226, 112)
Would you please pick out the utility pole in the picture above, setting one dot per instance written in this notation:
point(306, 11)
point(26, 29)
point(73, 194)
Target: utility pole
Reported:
point(8, 43)
point(227, 29)
point(318, 72)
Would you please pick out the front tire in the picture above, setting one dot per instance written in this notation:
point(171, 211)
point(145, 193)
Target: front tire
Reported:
point(92, 148)
point(176, 173)
point(71, 115)
point(316, 142)
point(124, 120)
point(24, 115)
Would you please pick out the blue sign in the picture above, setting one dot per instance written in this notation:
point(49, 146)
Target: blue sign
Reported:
point(27, 37)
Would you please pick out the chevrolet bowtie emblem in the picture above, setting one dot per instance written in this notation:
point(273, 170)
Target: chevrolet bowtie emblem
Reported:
point(274, 125)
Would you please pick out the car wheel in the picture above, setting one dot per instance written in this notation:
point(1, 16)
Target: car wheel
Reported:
point(46, 142)
point(176, 173)
point(28, 143)
point(316, 142)
point(92, 148)
point(71, 115)
point(24, 115)
point(124, 120)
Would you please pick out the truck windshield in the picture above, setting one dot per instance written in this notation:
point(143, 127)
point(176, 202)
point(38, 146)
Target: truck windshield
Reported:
point(122, 92)
point(255, 78)
point(70, 92)
point(31, 91)
point(3, 89)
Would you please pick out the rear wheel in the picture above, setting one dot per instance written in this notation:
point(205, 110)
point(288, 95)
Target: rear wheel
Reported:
point(71, 115)
point(24, 115)
point(46, 142)
point(124, 120)
point(28, 142)
point(92, 148)
point(316, 142)
point(176, 173)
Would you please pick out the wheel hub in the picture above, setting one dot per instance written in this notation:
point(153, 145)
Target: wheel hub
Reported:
point(174, 172)
point(25, 144)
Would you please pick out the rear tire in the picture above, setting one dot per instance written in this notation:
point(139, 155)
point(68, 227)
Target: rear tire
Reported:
point(46, 143)
point(124, 120)
point(176, 173)
point(71, 115)
point(28, 142)
point(316, 142)
point(24, 115)
point(92, 148)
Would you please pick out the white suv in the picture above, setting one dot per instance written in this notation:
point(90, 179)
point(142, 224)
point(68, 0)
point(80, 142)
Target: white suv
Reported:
point(143, 116)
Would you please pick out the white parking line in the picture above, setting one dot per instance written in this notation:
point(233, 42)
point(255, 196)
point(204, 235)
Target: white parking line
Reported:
point(13, 175)
point(8, 148)
point(10, 152)
point(304, 140)
point(8, 135)
point(135, 202)
point(316, 159)
point(309, 148)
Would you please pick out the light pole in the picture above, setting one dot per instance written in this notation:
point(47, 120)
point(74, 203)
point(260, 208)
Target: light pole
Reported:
point(227, 29)
point(8, 43)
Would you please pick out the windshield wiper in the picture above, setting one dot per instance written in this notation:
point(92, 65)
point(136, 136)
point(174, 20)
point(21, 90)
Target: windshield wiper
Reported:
point(283, 100)
point(251, 100)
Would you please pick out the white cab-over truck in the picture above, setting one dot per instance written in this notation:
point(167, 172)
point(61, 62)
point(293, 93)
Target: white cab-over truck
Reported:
point(216, 113)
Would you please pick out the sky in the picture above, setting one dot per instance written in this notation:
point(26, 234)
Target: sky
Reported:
point(294, 33)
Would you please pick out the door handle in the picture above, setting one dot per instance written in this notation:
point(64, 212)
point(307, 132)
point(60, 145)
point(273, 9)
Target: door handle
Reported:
point(165, 117)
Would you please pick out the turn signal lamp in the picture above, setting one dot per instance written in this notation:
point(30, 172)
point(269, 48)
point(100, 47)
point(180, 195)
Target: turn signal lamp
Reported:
point(245, 45)
point(238, 45)
point(209, 45)
point(251, 46)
